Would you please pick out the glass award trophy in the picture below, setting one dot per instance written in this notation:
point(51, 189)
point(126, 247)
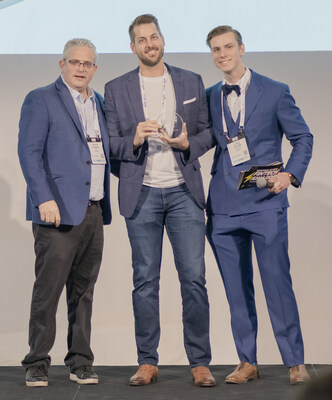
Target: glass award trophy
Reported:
point(172, 126)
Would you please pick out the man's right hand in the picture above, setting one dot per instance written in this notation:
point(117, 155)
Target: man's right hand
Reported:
point(145, 130)
point(49, 212)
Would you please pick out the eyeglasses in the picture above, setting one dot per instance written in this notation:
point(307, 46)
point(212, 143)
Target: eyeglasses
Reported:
point(77, 64)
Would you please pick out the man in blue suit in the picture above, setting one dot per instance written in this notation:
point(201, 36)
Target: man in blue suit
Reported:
point(63, 149)
point(251, 113)
point(161, 186)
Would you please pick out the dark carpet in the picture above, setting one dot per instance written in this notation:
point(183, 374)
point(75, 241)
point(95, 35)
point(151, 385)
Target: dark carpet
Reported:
point(174, 383)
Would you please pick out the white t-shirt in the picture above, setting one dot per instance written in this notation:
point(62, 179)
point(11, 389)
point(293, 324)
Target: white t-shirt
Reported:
point(162, 170)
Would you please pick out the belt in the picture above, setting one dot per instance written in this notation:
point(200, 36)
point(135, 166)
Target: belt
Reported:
point(93, 203)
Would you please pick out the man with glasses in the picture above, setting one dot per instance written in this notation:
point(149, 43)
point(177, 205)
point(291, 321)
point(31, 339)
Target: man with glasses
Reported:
point(63, 149)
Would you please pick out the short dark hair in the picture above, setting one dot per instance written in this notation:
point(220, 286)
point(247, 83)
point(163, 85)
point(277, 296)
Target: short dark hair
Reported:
point(140, 20)
point(220, 30)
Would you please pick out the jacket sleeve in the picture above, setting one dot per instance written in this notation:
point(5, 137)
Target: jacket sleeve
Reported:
point(204, 139)
point(297, 132)
point(33, 132)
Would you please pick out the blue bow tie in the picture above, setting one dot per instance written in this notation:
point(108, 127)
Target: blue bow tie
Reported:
point(227, 89)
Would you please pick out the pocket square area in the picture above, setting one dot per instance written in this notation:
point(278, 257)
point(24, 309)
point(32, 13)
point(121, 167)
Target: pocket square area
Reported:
point(190, 100)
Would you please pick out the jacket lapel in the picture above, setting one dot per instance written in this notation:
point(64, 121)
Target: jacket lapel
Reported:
point(69, 104)
point(103, 127)
point(216, 111)
point(178, 88)
point(215, 106)
point(134, 92)
point(254, 93)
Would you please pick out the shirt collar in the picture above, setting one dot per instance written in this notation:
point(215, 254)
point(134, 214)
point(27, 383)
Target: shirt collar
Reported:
point(244, 81)
point(77, 95)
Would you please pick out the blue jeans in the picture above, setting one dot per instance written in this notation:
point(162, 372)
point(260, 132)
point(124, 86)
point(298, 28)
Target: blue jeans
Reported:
point(184, 220)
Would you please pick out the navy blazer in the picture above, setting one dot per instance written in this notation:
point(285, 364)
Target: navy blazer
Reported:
point(270, 113)
point(55, 156)
point(124, 110)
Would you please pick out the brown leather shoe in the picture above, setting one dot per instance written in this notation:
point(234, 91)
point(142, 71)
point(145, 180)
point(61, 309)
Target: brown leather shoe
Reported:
point(145, 374)
point(202, 376)
point(298, 374)
point(243, 373)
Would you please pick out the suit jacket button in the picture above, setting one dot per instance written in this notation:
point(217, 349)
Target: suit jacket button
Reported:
point(88, 162)
point(87, 183)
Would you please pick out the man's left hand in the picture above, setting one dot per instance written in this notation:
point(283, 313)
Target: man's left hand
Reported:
point(180, 142)
point(280, 181)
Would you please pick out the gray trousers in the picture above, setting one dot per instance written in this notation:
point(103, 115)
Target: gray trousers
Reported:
point(66, 256)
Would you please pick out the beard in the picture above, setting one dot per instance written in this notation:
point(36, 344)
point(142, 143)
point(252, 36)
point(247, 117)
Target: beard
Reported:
point(151, 63)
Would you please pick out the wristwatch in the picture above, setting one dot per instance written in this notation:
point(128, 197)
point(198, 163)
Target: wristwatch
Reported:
point(292, 178)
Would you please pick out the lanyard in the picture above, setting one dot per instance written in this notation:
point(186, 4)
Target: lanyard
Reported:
point(84, 119)
point(163, 97)
point(242, 111)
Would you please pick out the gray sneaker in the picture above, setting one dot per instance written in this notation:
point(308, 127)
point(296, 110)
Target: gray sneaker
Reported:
point(36, 376)
point(84, 375)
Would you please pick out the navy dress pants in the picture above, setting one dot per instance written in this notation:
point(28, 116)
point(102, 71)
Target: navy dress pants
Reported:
point(231, 238)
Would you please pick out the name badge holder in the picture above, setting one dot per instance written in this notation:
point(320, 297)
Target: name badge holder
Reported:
point(237, 146)
point(94, 142)
point(96, 149)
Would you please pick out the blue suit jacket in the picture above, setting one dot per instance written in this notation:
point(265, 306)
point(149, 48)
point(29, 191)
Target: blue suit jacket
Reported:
point(124, 110)
point(54, 154)
point(270, 113)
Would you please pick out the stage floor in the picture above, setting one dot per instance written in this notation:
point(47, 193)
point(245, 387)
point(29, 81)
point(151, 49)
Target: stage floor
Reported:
point(174, 383)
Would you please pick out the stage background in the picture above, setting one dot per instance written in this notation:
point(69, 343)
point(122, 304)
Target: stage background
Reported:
point(310, 221)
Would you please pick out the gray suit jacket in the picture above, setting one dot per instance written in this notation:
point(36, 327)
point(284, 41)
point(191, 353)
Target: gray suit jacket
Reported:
point(124, 110)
